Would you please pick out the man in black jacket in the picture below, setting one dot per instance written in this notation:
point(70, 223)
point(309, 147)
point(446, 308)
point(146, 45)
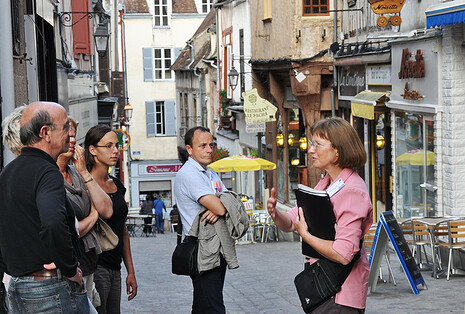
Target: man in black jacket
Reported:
point(37, 224)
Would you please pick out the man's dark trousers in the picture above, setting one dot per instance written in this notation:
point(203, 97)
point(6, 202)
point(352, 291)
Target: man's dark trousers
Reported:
point(208, 290)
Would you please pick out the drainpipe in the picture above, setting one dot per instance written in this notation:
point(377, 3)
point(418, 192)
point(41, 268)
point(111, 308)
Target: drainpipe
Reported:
point(126, 100)
point(7, 86)
point(115, 34)
point(333, 96)
point(218, 67)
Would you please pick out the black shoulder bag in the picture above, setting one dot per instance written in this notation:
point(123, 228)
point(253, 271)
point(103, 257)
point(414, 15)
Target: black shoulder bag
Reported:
point(321, 280)
point(184, 259)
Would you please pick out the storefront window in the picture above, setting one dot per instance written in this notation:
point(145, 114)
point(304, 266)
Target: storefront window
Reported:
point(415, 166)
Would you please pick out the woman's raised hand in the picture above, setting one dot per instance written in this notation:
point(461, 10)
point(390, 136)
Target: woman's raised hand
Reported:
point(79, 160)
point(271, 203)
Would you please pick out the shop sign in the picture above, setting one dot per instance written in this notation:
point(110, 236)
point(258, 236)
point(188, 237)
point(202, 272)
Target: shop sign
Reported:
point(410, 68)
point(351, 80)
point(257, 109)
point(254, 128)
point(158, 169)
point(415, 72)
point(379, 75)
point(387, 7)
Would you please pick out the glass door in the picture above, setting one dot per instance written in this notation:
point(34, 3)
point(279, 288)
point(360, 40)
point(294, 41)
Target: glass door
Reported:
point(416, 185)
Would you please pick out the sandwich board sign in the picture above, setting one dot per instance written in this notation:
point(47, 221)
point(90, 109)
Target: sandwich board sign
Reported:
point(389, 229)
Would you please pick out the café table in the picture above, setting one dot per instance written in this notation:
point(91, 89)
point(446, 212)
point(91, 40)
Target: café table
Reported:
point(433, 224)
point(135, 223)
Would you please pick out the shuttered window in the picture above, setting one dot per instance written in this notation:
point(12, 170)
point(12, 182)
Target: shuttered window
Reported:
point(161, 118)
point(157, 63)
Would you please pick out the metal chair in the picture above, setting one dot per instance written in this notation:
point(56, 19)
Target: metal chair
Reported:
point(455, 241)
point(421, 239)
point(174, 222)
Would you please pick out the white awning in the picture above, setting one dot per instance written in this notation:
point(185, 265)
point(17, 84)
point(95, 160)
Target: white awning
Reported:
point(448, 13)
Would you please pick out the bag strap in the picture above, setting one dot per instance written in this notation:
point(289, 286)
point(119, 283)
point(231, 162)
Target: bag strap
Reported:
point(179, 230)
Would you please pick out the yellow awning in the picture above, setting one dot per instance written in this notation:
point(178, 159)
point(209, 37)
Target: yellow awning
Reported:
point(363, 104)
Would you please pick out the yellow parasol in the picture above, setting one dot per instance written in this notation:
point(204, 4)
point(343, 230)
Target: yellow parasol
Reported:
point(416, 157)
point(241, 163)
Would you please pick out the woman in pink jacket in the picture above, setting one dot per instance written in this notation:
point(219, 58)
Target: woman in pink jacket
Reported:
point(336, 148)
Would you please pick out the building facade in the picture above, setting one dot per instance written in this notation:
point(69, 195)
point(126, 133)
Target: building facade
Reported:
point(154, 33)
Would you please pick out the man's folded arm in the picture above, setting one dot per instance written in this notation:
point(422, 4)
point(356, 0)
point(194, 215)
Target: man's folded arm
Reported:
point(213, 204)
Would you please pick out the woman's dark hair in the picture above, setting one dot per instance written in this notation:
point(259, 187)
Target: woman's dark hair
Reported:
point(93, 136)
point(344, 138)
point(190, 134)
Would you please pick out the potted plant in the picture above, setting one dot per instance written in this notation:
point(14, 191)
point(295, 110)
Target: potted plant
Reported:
point(225, 119)
point(224, 102)
point(220, 153)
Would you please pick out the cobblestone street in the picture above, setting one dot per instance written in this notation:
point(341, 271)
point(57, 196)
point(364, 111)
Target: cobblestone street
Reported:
point(264, 283)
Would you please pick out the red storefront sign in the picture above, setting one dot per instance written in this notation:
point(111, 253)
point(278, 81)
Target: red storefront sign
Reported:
point(153, 169)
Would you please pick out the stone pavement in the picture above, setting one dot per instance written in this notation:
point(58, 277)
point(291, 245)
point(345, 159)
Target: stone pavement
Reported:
point(264, 283)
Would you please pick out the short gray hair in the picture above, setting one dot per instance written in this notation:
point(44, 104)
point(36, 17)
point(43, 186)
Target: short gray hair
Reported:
point(11, 126)
point(30, 132)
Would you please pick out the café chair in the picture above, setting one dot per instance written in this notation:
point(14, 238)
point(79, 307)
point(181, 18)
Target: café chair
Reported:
point(174, 222)
point(421, 239)
point(439, 233)
point(455, 241)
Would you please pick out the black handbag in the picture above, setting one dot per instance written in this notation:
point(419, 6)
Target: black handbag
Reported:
point(184, 259)
point(320, 281)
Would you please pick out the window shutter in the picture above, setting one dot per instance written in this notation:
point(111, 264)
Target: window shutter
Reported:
point(148, 64)
point(81, 30)
point(150, 117)
point(170, 117)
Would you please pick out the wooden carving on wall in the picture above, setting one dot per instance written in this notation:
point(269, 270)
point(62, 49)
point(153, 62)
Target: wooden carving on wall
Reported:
point(411, 94)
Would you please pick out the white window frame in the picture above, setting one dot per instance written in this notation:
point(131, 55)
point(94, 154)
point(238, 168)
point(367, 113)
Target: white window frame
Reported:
point(206, 4)
point(163, 68)
point(158, 4)
point(160, 122)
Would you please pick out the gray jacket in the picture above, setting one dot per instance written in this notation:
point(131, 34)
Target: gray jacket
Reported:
point(221, 236)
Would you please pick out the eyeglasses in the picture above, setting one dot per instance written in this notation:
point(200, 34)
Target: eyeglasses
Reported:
point(110, 146)
point(314, 144)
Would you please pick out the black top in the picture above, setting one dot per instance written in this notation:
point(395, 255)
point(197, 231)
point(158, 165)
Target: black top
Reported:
point(112, 259)
point(36, 219)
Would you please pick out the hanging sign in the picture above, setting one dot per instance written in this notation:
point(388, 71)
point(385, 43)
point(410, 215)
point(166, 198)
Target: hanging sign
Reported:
point(257, 109)
point(124, 138)
point(387, 7)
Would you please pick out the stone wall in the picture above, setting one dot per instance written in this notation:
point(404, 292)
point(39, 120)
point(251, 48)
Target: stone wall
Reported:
point(453, 119)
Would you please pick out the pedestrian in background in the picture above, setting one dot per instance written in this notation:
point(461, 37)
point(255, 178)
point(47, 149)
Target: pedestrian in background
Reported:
point(37, 223)
point(336, 148)
point(159, 209)
point(89, 202)
point(147, 209)
point(195, 186)
point(101, 153)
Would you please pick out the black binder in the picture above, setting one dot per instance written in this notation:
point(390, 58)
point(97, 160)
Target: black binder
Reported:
point(319, 215)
